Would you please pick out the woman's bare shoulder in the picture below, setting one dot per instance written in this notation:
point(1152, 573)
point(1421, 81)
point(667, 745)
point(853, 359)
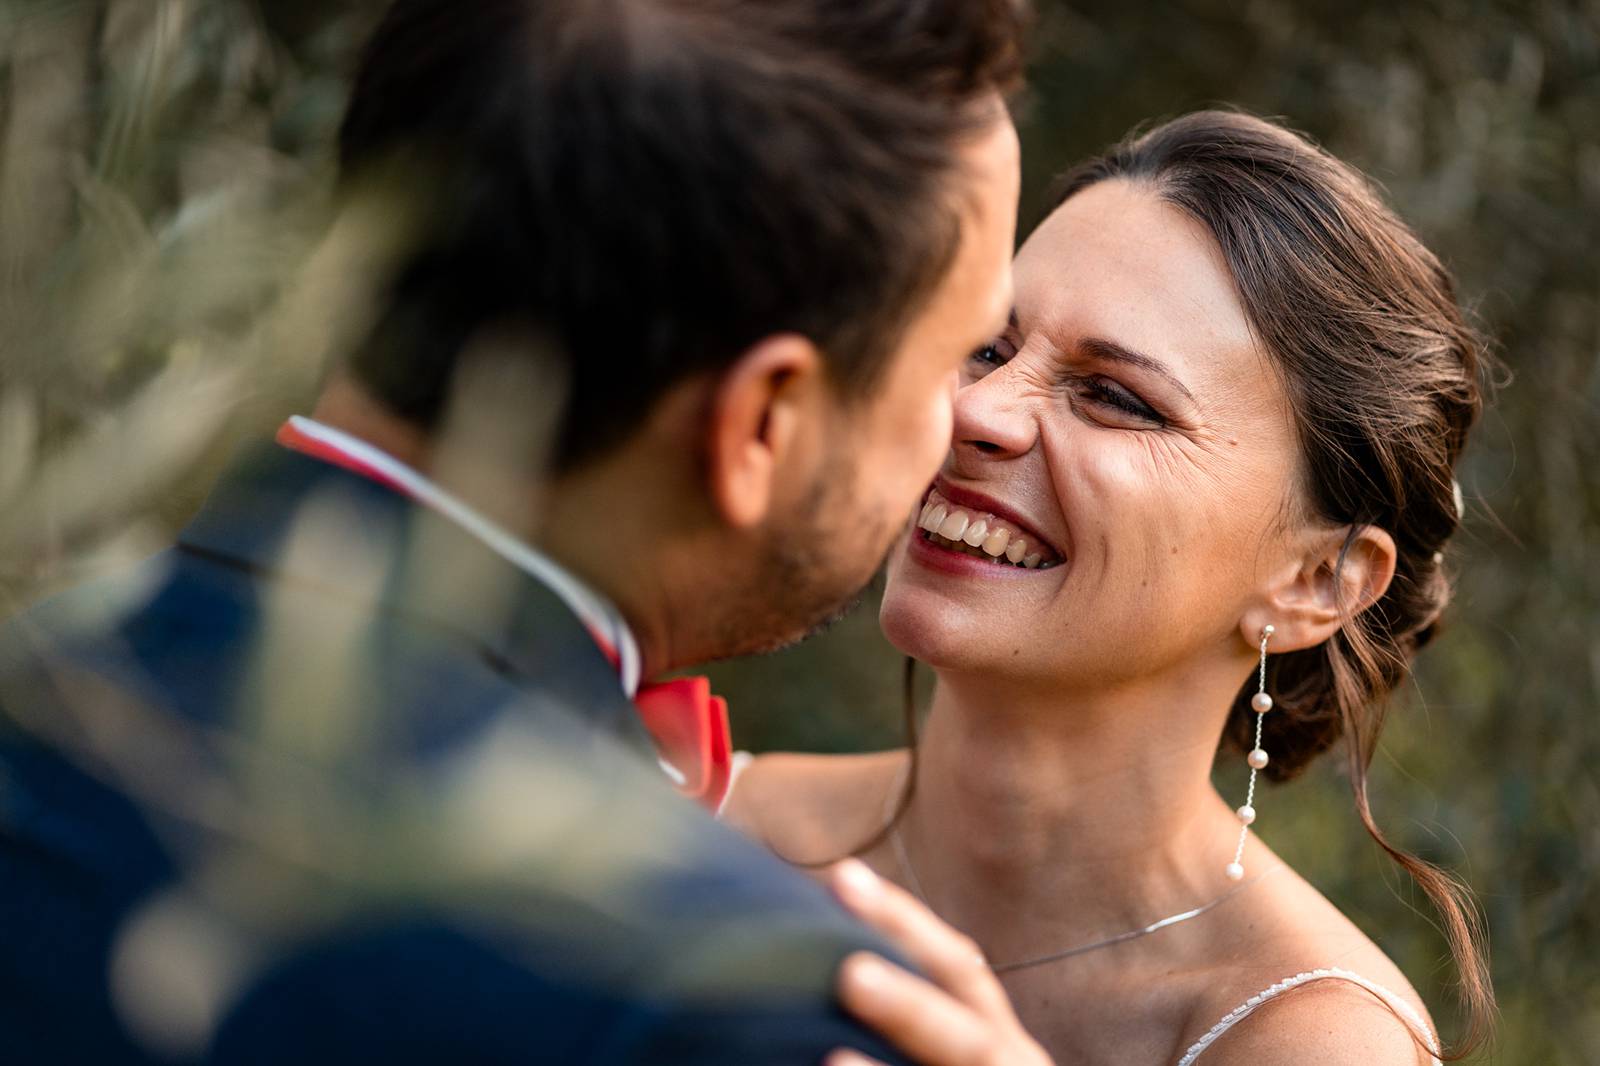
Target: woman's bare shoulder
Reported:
point(1330, 993)
point(813, 808)
point(1332, 1021)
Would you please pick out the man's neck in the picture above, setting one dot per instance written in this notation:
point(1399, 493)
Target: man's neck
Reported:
point(608, 526)
point(616, 534)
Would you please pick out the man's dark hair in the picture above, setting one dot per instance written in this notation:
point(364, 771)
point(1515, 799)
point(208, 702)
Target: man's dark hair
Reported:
point(652, 186)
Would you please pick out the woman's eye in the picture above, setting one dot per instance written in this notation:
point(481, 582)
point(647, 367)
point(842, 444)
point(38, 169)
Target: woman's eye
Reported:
point(990, 355)
point(1108, 394)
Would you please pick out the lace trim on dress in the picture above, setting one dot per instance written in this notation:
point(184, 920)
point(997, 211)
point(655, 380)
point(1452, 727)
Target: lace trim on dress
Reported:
point(1248, 1007)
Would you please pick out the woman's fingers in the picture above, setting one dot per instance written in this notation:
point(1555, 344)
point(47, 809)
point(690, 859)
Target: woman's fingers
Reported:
point(951, 959)
point(960, 1017)
point(849, 1057)
point(926, 1023)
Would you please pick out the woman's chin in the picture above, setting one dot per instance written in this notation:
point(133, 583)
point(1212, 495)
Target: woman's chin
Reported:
point(931, 630)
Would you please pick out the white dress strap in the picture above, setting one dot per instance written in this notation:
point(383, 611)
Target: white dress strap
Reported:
point(1248, 1007)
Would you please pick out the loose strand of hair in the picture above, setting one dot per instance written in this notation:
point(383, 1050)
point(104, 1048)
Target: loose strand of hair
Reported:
point(1462, 920)
point(908, 790)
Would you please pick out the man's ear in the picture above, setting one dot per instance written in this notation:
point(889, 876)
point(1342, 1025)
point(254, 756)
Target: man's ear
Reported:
point(756, 422)
point(1304, 606)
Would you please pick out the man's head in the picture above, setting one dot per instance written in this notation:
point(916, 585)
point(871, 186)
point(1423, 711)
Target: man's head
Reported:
point(752, 242)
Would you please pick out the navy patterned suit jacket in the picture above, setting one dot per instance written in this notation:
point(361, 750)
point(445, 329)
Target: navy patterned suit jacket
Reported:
point(330, 782)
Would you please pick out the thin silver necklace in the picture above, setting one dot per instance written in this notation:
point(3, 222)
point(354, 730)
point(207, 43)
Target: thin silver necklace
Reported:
point(1170, 920)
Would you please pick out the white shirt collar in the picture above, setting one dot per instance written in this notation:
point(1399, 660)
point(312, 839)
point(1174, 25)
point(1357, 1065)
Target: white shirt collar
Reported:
point(593, 609)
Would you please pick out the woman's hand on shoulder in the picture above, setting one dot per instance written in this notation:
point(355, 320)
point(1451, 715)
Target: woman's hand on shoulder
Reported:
point(958, 1015)
point(1332, 1023)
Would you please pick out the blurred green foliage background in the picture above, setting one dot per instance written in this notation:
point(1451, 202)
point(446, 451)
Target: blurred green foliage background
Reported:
point(163, 181)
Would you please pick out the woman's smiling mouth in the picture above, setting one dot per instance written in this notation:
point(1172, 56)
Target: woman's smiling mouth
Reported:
point(982, 535)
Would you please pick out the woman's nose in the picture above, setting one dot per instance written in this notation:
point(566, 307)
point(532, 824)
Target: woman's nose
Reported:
point(992, 419)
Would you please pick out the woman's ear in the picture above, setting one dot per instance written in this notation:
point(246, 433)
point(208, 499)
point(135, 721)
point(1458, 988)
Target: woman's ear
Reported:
point(756, 423)
point(1341, 574)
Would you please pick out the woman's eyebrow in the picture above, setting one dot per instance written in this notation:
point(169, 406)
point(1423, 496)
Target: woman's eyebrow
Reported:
point(1100, 348)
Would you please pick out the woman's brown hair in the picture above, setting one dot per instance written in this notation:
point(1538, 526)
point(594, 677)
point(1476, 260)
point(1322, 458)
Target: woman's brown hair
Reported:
point(1383, 372)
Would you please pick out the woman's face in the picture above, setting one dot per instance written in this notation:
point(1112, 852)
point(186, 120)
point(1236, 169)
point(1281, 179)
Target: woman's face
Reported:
point(1130, 434)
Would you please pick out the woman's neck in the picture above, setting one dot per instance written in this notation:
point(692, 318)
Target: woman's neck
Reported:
point(1039, 819)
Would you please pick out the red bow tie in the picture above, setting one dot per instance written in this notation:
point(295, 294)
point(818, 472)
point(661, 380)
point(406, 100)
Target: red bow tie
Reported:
point(690, 728)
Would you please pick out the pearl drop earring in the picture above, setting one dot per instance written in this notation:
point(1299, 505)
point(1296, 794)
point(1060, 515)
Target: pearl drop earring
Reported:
point(1261, 703)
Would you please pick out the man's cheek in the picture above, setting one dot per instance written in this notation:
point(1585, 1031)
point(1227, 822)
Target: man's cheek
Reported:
point(940, 428)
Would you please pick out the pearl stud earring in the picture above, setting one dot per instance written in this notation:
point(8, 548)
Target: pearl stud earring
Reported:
point(1261, 703)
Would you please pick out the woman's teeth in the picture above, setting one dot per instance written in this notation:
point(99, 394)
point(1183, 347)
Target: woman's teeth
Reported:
point(980, 535)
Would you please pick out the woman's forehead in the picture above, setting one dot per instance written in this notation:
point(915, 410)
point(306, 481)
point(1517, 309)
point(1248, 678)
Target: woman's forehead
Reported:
point(1116, 261)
